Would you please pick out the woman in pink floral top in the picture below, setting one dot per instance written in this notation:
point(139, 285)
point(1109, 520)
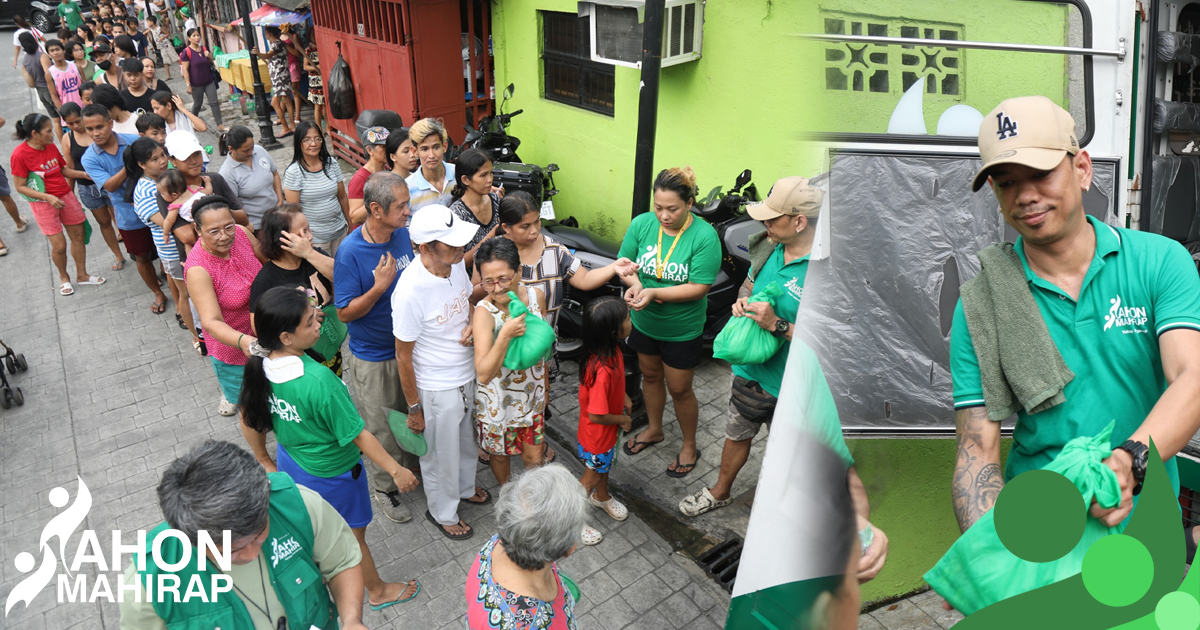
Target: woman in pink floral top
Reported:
point(514, 583)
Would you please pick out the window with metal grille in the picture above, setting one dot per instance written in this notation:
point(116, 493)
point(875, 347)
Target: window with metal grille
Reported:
point(221, 11)
point(571, 76)
point(381, 20)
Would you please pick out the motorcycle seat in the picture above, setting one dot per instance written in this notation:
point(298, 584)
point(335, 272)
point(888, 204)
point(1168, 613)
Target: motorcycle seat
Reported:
point(580, 239)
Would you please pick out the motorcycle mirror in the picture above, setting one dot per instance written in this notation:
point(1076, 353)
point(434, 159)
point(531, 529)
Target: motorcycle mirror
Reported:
point(508, 91)
point(743, 179)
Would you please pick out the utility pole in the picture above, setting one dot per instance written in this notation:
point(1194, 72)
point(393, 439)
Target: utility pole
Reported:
point(266, 134)
point(643, 164)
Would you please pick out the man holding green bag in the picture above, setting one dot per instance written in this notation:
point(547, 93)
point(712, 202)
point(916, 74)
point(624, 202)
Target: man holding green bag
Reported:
point(1076, 324)
point(779, 255)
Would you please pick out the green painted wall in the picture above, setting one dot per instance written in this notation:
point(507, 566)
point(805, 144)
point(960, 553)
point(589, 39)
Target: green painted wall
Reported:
point(908, 483)
point(741, 106)
point(985, 77)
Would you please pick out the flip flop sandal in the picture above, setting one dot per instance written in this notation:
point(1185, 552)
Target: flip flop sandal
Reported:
point(677, 473)
point(66, 289)
point(700, 502)
point(470, 532)
point(636, 443)
point(590, 535)
point(3, 251)
point(401, 599)
point(24, 225)
point(549, 456)
point(92, 281)
point(487, 498)
point(158, 308)
point(484, 458)
point(612, 507)
point(118, 266)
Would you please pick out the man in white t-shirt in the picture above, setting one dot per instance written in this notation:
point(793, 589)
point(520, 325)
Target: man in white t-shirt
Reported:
point(431, 320)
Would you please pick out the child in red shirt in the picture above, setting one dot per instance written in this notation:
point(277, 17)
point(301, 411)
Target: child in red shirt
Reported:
point(603, 405)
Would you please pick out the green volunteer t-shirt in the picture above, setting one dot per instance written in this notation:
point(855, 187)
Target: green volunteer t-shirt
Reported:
point(807, 402)
point(71, 13)
point(316, 421)
point(790, 278)
point(696, 259)
point(1138, 286)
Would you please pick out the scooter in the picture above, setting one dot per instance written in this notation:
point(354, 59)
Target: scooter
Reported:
point(491, 137)
point(725, 212)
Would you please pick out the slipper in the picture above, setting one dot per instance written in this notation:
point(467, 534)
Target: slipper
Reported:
point(24, 225)
point(636, 443)
point(484, 459)
point(612, 507)
point(158, 308)
point(3, 251)
point(590, 536)
point(66, 289)
point(470, 532)
point(397, 601)
point(118, 266)
point(284, 135)
point(179, 320)
point(679, 468)
point(92, 281)
point(549, 456)
point(700, 502)
point(487, 498)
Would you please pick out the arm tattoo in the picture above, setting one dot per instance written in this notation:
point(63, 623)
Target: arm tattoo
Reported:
point(747, 288)
point(978, 478)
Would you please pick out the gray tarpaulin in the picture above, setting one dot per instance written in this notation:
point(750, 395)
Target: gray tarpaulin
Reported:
point(1174, 198)
point(1173, 116)
point(904, 230)
point(1178, 48)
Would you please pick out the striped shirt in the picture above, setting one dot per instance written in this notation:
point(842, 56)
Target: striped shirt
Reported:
point(550, 275)
point(318, 198)
point(146, 206)
point(421, 193)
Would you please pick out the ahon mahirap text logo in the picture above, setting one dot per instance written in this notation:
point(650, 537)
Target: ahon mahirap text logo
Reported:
point(73, 585)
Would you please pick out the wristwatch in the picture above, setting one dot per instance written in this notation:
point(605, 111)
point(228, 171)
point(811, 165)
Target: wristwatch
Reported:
point(1138, 451)
point(414, 408)
point(781, 327)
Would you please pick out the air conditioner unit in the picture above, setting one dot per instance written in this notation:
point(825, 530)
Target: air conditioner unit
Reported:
point(616, 31)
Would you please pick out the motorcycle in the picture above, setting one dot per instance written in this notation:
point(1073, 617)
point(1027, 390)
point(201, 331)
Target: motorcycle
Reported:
point(491, 137)
point(724, 211)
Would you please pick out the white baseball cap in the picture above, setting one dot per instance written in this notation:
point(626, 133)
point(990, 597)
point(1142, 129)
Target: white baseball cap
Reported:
point(181, 144)
point(439, 223)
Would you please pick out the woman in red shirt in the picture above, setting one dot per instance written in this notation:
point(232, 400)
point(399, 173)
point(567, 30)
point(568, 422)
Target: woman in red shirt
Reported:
point(40, 174)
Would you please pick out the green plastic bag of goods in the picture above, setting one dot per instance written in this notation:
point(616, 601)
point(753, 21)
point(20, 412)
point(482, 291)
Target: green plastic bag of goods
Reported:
point(333, 333)
point(979, 570)
point(742, 341)
point(535, 345)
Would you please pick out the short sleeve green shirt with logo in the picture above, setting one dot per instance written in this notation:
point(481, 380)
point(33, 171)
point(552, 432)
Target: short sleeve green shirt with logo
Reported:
point(790, 278)
point(70, 12)
point(316, 421)
point(696, 259)
point(1139, 286)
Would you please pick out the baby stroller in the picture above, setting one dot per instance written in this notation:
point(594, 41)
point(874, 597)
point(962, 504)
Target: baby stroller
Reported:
point(13, 362)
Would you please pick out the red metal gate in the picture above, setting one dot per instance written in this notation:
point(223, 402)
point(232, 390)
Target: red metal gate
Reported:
point(405, 56)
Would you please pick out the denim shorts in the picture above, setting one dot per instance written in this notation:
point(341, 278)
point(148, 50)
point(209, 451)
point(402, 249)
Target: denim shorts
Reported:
point(4, 190)
point(92, 196)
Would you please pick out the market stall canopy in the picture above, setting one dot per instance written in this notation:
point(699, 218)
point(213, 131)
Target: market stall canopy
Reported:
point(268, 15)
point(290, 5)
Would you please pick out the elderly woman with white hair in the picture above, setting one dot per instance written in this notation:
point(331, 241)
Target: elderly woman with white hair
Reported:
point(515, 582)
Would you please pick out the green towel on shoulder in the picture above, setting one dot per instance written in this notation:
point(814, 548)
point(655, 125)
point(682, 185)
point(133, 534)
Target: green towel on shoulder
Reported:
point(1019, 365)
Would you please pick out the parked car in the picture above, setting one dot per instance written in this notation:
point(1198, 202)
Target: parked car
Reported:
point(40, 13)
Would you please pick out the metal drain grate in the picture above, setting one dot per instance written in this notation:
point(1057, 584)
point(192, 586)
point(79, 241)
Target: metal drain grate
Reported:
point(721, 562)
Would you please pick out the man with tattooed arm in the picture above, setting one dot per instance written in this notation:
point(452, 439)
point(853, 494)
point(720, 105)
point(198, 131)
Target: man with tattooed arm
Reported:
point(1121, 308)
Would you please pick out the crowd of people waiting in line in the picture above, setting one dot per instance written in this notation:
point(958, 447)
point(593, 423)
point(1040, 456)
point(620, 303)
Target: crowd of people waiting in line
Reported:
point(419, 260)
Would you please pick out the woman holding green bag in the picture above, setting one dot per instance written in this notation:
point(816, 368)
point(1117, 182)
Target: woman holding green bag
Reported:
point(286, 242)
point(509, 404)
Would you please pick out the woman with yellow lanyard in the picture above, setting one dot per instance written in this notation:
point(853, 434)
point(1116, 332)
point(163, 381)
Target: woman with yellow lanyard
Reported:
point(678, 257)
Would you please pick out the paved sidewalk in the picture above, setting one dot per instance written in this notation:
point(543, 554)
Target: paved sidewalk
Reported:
point(114, 393)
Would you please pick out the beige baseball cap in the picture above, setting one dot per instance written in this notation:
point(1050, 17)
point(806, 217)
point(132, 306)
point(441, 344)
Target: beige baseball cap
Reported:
point(789, 196)
point(1029, 130)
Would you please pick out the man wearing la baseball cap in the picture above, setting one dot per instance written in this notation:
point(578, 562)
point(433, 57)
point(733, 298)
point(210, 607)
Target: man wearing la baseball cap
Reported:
point(431, 320)
point(1075, 324)
point(779, 255)
point(374, 142)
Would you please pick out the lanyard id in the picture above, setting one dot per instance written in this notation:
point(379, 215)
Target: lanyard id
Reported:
point(659, 261)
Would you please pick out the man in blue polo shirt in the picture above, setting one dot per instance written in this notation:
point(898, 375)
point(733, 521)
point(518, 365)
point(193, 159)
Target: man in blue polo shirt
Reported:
point(366, 268)
point(1121, 306)
point(104, 163)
